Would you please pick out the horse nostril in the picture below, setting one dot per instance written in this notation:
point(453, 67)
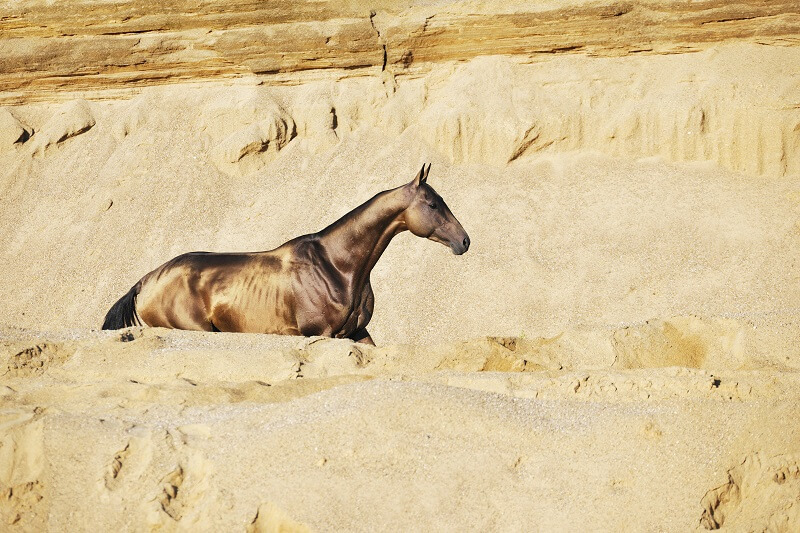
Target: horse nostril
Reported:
point(466, 242)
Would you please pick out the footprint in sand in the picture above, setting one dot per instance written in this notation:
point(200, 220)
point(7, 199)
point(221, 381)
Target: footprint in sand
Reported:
point(186, 497)
point(130, 463)
point(22, 467)
point(270, 518)
point(35, 360)
point(761, 495)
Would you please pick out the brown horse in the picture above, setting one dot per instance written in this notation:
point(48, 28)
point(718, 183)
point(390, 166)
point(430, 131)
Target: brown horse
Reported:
point(315, 284)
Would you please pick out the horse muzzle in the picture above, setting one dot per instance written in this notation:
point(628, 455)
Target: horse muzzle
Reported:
point(453, 236)
point(461, 247)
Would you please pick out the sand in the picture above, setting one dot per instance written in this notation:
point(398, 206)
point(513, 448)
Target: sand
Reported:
point(151, 429)
point(618, 351)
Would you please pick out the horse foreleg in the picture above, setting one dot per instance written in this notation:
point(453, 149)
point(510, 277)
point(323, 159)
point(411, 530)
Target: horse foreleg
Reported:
point(361, 335)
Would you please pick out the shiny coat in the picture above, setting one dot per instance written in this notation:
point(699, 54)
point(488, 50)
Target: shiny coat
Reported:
point(316, 284)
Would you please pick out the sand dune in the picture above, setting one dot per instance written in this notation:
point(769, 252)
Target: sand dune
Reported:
point(618, 350)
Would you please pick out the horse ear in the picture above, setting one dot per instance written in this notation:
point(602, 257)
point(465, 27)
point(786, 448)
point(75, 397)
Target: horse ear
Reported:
point(420, 177)
point(425, 173)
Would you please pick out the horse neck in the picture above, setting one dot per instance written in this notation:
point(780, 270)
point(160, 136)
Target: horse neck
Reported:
point(356, 241)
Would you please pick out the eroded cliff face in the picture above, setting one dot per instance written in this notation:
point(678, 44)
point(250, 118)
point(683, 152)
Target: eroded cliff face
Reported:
point(563, 75)
point(91, 45)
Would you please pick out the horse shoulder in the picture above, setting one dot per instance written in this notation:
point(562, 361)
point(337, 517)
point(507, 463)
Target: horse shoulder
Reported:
point(322, 293)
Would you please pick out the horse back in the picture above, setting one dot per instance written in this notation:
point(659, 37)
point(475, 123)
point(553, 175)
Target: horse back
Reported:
point(243, 292)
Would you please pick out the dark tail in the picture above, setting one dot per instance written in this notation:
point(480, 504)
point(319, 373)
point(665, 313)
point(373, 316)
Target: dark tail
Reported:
point(123, 313)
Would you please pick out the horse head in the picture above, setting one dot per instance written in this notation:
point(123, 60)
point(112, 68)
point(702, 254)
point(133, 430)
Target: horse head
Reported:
point(428, 215)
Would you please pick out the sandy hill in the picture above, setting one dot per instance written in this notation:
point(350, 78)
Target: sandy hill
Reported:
point(618, 351)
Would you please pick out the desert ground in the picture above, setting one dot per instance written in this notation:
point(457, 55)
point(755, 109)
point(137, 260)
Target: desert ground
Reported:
point(619, 350)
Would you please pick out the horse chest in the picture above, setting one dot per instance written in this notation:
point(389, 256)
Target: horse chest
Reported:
point(329, 307)
point(342, 317)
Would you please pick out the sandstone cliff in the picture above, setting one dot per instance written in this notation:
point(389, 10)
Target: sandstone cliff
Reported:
point(97, 44)
point(623, 92)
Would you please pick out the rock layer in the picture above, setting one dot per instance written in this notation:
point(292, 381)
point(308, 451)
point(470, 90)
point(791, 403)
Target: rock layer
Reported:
point(98, 45)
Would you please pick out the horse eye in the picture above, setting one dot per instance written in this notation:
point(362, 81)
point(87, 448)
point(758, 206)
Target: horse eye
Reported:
point(433, 205)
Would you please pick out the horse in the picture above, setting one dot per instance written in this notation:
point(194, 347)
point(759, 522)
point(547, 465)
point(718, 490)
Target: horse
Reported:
point(313, 285)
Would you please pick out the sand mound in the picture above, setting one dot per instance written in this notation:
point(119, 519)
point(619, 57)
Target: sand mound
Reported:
point(761, 494)
point(223, 431)
point(69, 120)
point(246, 129)
point(12, 131)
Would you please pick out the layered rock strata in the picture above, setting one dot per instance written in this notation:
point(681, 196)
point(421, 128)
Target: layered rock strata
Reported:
point(96, 45)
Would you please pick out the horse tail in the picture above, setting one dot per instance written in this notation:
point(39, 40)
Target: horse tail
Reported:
point(123, 313)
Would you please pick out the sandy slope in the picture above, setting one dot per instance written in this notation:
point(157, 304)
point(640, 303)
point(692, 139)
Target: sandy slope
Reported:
point(181, 430)
point(618, 351)
point(564, 229)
